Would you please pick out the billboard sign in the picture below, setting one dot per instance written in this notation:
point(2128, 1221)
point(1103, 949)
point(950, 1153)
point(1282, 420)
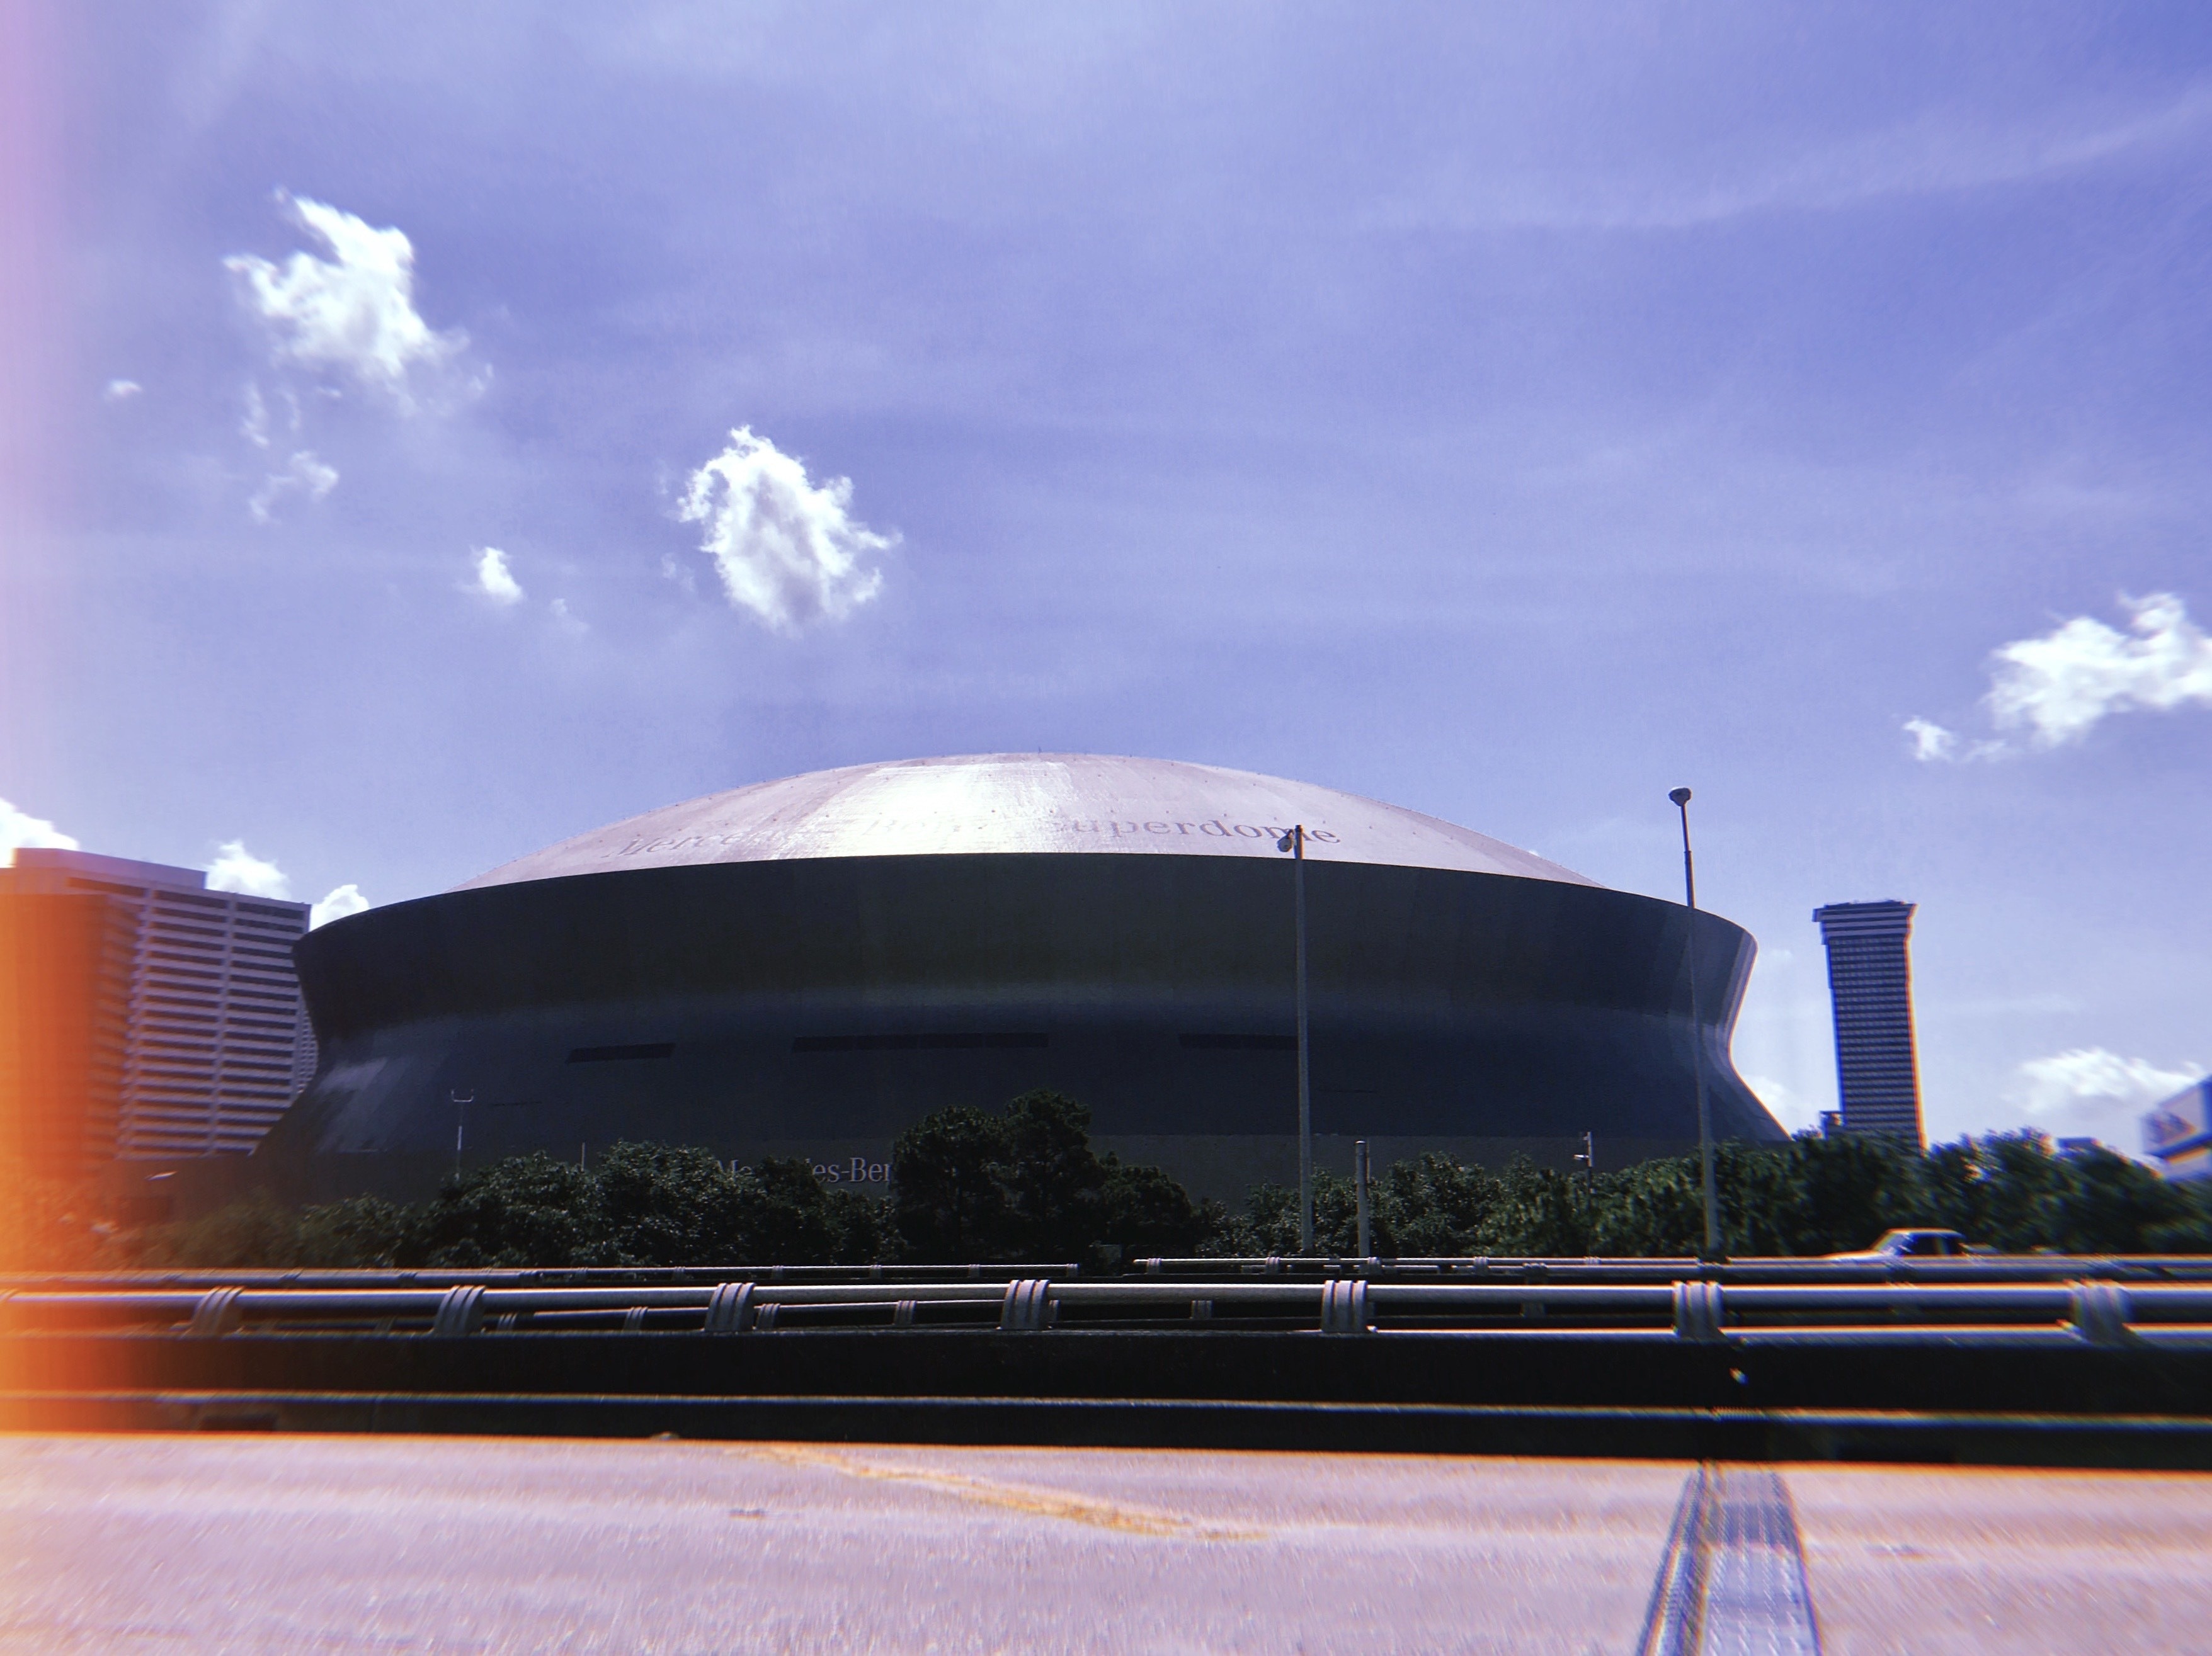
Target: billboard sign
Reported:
point(2179, 1124)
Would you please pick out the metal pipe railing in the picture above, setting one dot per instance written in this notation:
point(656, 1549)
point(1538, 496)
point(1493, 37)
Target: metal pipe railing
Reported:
point(2024, 1267)
point(531, 1276)
point(1693, 1308)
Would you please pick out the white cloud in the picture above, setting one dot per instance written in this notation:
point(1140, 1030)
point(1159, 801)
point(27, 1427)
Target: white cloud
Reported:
point(237, 868)
point(495, 579)
point(2059, 687)
point(342, 901)
point(2062, 684)
point(2091, 1092)
point(121, 390)
point(1933, 744)
point(789, 551)
point(354, 311)
point(1930, 741)
point(19, 829)
point(305, 473)
point(567, 623)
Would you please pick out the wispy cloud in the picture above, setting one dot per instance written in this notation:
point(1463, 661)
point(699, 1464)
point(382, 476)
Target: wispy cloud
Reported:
point(2057, 687)
point(255, 426)
point(1943, 152)
point(304, 474)
point(237, 868)
point(2094, 1093)
point(494, 580)
point(1931, 740)
point(1933, 744)
point(121, 390)
point(2061, 685)
point(788, 550)
point(342, 901)
point(353, 312)
point(19, 829)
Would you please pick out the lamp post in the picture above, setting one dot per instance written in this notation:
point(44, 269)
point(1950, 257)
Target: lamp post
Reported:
point(1682, 798)
point(1295, 843)
point(1359, 1171)
point(461, 1102)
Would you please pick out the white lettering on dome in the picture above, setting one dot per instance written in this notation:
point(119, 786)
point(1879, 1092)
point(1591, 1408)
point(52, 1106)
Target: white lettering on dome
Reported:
point(1127, 828)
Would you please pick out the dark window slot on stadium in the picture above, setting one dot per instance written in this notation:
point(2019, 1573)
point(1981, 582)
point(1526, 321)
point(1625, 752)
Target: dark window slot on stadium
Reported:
point(1239, 1043)
point(913, 1043)
point(620, 1054)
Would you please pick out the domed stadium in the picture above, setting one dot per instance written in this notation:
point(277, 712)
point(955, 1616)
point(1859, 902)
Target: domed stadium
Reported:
point(807, 966)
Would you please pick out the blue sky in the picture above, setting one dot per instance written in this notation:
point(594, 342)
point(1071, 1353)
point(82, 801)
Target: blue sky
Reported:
point(1508, 412)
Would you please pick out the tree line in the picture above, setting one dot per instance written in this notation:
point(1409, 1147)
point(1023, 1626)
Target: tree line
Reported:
point(1025, 1184)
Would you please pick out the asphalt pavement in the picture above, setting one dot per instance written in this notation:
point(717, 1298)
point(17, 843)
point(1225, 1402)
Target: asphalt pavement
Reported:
point(252, 1542)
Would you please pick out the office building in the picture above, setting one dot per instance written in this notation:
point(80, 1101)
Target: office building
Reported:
point(162, 1019)
point(2177, 1133)
point(65, 975)
point(1870, 987)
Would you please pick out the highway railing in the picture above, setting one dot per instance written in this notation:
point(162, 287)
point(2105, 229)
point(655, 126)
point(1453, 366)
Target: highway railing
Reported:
point(1613, 1301)
point(2021, 1360)
point(1838, 1268)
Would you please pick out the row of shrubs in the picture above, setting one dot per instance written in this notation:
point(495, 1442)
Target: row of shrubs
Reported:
point(1025, 1184)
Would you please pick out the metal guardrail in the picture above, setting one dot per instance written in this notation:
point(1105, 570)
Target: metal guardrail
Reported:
point(1849, 1268)
point(1697, 1310)
point(525, 1276)
point(2033, 1360)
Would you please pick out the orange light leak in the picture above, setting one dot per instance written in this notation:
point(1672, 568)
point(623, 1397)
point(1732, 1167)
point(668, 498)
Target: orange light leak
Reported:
point(51, 1049)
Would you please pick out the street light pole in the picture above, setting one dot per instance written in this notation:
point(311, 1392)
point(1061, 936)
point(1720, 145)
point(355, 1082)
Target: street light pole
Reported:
point(1295, 843)
point(1682, 798)
point(1359, 1171)
point(461, 1102)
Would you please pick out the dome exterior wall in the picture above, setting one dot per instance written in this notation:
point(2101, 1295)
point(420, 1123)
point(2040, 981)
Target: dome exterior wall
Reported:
point(767, 993)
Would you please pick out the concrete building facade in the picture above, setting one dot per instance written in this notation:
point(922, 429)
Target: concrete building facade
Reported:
point(2177, 1133)
point(196, 1040)
point(1870, 988)
point(64, 979)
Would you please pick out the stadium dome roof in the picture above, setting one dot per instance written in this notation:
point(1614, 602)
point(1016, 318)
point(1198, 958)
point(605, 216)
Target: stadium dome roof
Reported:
point(1026, 803)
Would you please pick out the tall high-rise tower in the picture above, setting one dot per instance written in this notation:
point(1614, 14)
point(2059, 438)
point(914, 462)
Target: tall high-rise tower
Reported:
point(1870, 985)
point(213, 1042)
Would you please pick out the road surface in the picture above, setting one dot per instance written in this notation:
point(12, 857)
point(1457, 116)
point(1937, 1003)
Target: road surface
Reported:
point(330, 1544)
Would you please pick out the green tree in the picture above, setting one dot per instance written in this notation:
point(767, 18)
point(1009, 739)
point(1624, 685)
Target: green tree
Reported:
point(2012, 1191)
point(661, 1205)
point(784, 1213)
point(948, 1200)
point(525, 1211)
point(1144, 1214)
point(359, 1232)
point(1431, 1204)
point(1026, 1185)
point(253, 1234)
